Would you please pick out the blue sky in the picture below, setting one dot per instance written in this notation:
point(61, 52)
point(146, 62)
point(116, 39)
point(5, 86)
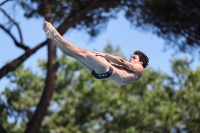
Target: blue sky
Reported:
point(117, 32)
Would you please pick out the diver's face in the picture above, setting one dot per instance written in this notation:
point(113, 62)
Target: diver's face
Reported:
point(135, 59)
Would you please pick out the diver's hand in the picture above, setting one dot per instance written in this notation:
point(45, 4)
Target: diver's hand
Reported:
point(99, 54)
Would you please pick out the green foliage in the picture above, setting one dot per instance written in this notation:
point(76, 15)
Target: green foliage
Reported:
point(176, 21)
point(156, 103)
point(94, 21)
point(82, 104)
point(114, 51)
point(21, 98)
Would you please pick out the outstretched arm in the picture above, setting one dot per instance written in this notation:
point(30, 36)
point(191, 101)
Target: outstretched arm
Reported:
point(113, 58)
point(135, 68)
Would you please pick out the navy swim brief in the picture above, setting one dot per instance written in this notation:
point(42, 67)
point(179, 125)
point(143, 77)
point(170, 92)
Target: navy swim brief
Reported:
point(102, 75)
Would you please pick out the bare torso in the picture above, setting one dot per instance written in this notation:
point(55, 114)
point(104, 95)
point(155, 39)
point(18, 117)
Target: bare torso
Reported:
point(122, 76)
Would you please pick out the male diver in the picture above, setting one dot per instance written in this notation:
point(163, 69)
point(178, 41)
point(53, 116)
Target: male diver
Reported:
point(121, 73)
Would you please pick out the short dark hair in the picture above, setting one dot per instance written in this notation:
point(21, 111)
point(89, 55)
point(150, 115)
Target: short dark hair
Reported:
point(143, 58)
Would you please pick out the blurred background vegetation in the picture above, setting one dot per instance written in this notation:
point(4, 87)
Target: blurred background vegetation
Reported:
point(64, 98)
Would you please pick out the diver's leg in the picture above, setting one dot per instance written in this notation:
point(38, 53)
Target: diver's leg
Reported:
point(99, 64)
point(77, 59)
point(64, 44)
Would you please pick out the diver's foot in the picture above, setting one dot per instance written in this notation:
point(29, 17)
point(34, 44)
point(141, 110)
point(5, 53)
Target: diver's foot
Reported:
point(50, 31)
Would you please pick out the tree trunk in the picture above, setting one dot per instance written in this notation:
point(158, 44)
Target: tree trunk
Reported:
point(2, 130)
point(52, 65)
point(35, 123)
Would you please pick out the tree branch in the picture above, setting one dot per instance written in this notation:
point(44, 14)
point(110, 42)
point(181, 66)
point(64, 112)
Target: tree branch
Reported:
point(69, 22)
point(2, 129)
point(76, 16)
point(13, 38)
point(15, 23)
point(4, 2)
point(15, 63)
